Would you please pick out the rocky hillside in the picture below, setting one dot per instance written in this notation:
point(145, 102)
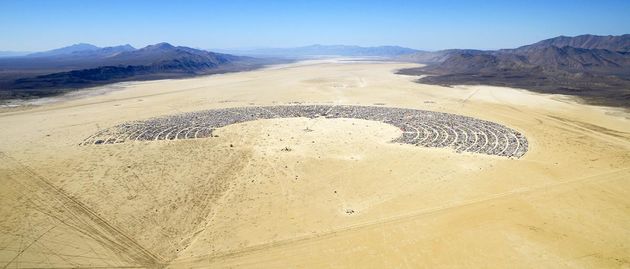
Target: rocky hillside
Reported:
point(613, 43)
point(597, 68)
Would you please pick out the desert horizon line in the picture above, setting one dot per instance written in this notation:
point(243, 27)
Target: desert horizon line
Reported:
point(69, 44)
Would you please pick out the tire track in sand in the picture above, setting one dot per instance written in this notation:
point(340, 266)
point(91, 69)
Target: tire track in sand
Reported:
point(73, 213)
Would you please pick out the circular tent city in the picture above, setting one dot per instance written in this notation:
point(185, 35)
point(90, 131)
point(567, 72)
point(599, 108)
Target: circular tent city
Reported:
point(419, 127)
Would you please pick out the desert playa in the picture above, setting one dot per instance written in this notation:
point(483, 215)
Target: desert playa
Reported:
point(319, 192)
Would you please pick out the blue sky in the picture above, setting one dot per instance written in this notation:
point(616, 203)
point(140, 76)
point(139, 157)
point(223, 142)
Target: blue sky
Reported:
point(39, 25)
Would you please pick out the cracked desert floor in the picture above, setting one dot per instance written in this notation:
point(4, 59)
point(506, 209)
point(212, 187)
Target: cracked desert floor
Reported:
point(268, 194)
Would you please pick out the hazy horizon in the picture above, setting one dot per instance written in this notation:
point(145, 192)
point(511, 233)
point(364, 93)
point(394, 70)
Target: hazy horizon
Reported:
point(44, 25)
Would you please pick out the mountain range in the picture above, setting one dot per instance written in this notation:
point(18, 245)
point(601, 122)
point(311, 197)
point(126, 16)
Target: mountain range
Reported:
point(83, 49)
point(613, 43)
point(84, 65)
point(325, 50)
point(596, 68)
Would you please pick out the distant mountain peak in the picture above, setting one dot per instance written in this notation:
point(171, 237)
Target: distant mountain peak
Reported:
point(86, 45)
point(66, 50)
point(159, 46)
point(125, 46)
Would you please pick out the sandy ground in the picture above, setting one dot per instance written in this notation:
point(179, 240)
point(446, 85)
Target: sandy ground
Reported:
point(341, 197)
